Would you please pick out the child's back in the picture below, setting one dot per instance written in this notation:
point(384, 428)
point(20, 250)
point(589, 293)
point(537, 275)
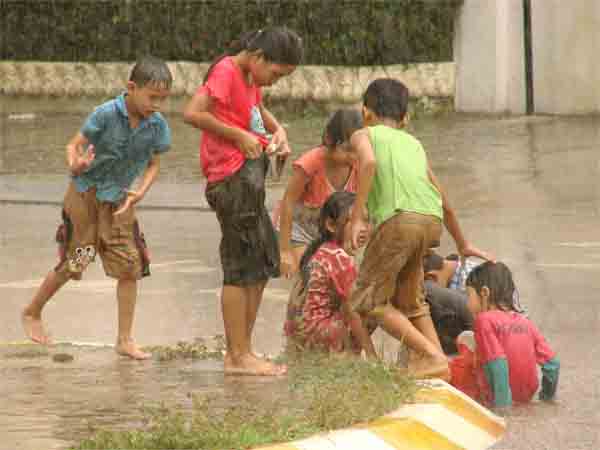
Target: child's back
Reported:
point(401, 182)
point(510, 335)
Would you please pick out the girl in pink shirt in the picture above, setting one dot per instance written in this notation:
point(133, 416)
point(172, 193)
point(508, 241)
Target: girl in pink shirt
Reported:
point(318, 173)
point(238, 134)
point(509, 347)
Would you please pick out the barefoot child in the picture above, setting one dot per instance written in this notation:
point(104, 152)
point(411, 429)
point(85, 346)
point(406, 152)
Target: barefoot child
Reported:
point(408, 206)
point(234, 154)
point(119, 141)
point(317, 174)
point(316, 314)
point(509, 347)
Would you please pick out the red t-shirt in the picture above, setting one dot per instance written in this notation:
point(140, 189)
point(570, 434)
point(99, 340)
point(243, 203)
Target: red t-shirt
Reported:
point(501, 334)
point(235, 104)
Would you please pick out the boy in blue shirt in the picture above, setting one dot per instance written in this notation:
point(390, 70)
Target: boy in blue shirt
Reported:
point(121, 140)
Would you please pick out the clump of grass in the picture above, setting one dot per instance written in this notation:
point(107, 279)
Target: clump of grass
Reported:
point(199, 349)
point(29, 353)
point(325, 393)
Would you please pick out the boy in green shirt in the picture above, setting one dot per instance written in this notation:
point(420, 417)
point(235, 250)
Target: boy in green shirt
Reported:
point(408, 206)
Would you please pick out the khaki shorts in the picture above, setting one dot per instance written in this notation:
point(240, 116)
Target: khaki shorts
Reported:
point(89, 229)
point(392, 267)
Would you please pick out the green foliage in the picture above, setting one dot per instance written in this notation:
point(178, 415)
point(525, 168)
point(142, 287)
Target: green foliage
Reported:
point(325, 394)
point(345, 32)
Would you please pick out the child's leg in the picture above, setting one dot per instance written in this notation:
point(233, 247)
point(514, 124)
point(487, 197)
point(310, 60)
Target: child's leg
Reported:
point(255, 294)
point(31, 315)
point(399, 326)
point(237, 312)
point(126, 297)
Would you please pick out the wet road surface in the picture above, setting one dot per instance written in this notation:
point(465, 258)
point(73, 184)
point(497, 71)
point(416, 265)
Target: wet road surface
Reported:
point(527, 189)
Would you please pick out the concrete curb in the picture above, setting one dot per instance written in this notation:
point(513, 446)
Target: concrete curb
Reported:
point(442, 418)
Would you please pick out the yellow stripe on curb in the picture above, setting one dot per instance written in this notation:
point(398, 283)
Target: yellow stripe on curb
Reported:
point(441, 418)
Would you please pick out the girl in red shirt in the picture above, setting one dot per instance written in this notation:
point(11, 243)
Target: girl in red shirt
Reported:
point(238, 135)
point(509, 347)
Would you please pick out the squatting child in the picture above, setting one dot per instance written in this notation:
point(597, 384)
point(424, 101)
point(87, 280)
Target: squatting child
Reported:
point(318, 173)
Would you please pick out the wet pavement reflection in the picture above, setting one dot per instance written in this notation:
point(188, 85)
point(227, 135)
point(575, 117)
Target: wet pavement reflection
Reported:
point(526, 188)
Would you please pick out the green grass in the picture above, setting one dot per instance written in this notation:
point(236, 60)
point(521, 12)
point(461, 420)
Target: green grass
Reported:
point(325, 394)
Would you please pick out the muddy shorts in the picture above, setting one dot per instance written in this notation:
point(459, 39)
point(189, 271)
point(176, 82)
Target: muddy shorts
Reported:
point(249, 249)
point(392, 267)
point(89, 229)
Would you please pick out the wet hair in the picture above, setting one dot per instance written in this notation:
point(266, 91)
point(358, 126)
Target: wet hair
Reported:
point(151, 70)
point(498, 279)
point(335, 208)
point(432, 261)
point(278, 45)
point(340, 126)
point(387, 97)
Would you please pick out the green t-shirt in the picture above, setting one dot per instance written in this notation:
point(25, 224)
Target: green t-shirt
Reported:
point(401, 182)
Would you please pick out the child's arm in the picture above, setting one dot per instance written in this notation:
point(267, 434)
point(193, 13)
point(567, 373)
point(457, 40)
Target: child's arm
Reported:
point(198, 114)
point(292, 195)
point(279, 141)
point(78, 159)
point(550, 364)
point(367, 165)
point(465, 248)
point(148, 179)
point(550, 373)
point(359, 331)
point(496, 373)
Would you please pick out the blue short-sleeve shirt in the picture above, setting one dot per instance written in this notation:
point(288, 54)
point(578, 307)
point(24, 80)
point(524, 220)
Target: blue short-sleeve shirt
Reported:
point(122, 152)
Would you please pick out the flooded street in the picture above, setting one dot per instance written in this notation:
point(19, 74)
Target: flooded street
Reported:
point(527, 189)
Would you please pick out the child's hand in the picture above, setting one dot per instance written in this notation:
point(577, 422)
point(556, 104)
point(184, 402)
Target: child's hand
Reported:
point(288, 266)
point(249, 145)
point(359, 232)
point(471, 250)
point(82, 160)
point(132, 198)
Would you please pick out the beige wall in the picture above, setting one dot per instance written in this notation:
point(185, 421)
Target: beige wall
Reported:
point(566, 47)
point(319, 83)
point(488, 54)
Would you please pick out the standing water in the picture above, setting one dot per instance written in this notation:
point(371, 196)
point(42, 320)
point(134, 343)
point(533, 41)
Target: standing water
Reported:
point(525, 188)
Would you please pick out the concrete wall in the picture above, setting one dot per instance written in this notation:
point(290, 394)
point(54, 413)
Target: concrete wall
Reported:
point(566, 44)
point(318, 83)
point(488, 53)
point(489, 56)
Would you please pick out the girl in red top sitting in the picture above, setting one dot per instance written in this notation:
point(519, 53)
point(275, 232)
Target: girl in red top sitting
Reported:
point(317, 316)
point(317, 174)
point(238, 133)
point(509, 347)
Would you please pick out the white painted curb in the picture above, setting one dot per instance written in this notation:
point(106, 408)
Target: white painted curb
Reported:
point(441, 418)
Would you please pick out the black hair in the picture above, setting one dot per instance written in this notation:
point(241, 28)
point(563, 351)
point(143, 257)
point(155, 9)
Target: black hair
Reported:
point(335, 207)
point(341, 125)
point(387, 97)
point(151, 70)
point(279, 45)
point(432, 261)
point(498, 279)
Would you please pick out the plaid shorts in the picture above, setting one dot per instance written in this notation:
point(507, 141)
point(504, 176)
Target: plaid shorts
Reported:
point(249, 249)
point(392, 267)
point(89, 228)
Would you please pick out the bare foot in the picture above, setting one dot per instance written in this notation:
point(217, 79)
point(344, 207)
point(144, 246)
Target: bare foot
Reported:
point(424, 366)
point(34, 329)
point(251, 365)
point(130, 349)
